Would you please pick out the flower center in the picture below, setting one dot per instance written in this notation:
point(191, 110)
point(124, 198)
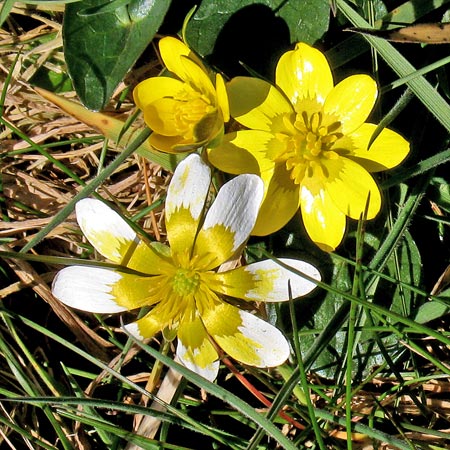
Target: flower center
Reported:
point(310, 142)
point(191, 108)
point(185, 282)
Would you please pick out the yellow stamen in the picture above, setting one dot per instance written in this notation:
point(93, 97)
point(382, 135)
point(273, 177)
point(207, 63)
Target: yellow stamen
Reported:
point(308, 143)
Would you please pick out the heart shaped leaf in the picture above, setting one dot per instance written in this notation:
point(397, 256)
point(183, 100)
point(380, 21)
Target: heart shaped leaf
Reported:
point(102, 40)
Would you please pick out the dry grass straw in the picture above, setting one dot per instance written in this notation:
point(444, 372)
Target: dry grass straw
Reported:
point(33, 190)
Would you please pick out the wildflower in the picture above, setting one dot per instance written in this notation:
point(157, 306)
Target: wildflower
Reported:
point(179, 283)
point(308, 141)
point(185, 112)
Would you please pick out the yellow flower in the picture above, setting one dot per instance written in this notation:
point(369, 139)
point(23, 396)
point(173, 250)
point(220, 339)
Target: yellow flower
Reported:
point(308, 141)
point(185, 112)
point(179, 283)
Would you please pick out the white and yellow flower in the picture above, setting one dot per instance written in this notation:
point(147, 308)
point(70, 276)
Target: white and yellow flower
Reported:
point(180, 283)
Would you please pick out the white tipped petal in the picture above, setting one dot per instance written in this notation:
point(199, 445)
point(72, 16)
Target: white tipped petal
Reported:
point(280, 278)
point(267, 281)
point(186, 197)
point(87, 288)
point(209, 372)
point(230, 219)
point(195, 350)
point(147, 326)
point(246, 337)
point(133, 329)
point(105, 229)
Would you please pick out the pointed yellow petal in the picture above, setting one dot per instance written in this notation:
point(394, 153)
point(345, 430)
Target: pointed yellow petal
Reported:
point(195, 350)
point(280, 202)
point(267, 281)
point(229, 221)
point(172, 50)
point(350, 186)
point(257, 104)
point(185, 201)
point(99, 290)
point(304, 73)
point(198, 79)
point(222, 97)
point(245, 337)
point(388, 150)
point(351, 101)
point(324, 222)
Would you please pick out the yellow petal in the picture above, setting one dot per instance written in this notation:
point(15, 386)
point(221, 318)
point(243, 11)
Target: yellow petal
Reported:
point(257, 104)
point(151, 89)
point(350, 186)
point(323, 221)
point(148, 259)
point(229, 220)
point(244, 152)
point(167, 144)
point(280, 202)
point(146, 327)
point(99, 290)
point(266, 281)
point(198, 79)
point(388, 150)
point(195, 350)
point(245, 337)
point(172, 50)
point(222, 97)
point(160, 116)
point(185, 201)
point(351, 101)
point(304, 73)
point(208, 127)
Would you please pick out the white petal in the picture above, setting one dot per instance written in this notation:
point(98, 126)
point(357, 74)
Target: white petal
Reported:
point(236, 207)
point(189, 187)
point(87, 288)
point(105, 229)
point(185, 201)
point(133, 329)
point(209, 372)
point(248, 338)
point(280, 278)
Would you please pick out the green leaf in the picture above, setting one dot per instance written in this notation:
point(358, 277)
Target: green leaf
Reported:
point(52, 81)
point(102, 46)
point(431, 310)
point(254, 32)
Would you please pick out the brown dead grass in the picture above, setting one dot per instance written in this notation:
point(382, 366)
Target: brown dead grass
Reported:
point(33, 190)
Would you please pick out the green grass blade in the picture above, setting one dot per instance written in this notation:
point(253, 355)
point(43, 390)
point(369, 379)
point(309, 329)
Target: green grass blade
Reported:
point(424, 91)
